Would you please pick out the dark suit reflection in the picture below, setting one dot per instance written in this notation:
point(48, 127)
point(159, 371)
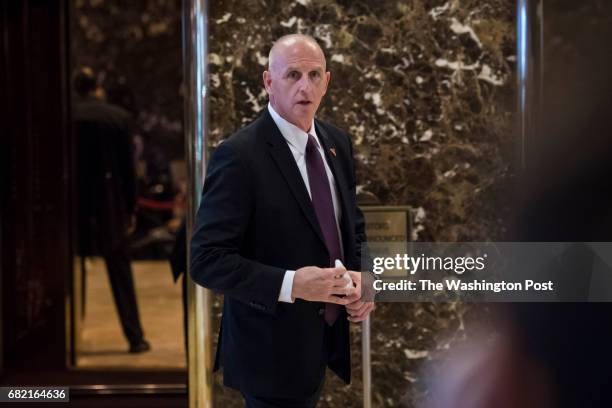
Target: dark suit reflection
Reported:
point(106, 199)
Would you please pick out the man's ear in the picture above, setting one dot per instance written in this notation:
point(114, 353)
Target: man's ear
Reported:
point(267, 80)
point(327, 79)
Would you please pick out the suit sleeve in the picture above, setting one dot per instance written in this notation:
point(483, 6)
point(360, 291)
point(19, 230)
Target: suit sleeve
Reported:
point(219, 230)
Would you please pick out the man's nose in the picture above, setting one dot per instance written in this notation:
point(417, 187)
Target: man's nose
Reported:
point(304, 84)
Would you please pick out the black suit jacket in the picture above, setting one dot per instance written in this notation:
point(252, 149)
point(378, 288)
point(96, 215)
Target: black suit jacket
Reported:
point(256, 220)
point(106, 180)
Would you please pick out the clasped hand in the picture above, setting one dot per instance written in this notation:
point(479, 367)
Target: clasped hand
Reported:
point(332, 285)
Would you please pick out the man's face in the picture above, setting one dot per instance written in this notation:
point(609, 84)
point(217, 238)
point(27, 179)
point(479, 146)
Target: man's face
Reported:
point(296, 82)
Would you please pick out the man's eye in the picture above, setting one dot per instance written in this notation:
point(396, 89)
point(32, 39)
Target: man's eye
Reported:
point(315, 74)
point(293, 75)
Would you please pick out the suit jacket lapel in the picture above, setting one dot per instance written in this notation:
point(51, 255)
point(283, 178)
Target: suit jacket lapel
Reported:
point(280, 152)
point(339, 176)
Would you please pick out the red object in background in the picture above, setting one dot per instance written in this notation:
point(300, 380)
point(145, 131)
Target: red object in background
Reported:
point(155, 204)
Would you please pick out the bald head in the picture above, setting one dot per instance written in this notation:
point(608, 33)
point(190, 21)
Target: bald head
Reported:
point(292, 44)
point(296, 79)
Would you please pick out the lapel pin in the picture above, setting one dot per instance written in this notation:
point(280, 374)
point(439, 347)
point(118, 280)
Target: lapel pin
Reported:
point(333, 151)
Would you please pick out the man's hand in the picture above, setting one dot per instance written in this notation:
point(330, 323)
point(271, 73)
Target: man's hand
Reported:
point(357, 309)
point(323, 285)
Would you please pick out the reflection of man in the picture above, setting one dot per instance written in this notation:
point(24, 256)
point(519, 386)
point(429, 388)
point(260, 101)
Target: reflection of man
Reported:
point(106, 195)
point(278, 209)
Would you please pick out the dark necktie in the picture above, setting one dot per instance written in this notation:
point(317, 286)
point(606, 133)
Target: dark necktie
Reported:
point(321, 194)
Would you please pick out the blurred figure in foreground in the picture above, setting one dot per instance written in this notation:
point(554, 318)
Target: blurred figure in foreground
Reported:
point(106, 195)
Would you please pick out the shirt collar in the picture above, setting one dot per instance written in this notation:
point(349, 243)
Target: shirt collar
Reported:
point(295, 136)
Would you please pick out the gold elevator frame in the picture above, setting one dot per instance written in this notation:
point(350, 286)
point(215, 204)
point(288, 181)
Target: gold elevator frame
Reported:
point(195, 89)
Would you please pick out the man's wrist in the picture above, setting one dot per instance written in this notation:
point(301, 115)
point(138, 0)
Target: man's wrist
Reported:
point(286, 292)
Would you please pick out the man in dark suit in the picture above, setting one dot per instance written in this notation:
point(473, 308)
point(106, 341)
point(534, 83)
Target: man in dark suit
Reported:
point(278, 209)
point(107, 195)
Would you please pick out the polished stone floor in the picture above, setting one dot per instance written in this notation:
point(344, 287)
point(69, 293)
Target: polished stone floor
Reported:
point(102, 343)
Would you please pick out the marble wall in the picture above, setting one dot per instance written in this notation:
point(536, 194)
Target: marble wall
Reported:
point(427, 90)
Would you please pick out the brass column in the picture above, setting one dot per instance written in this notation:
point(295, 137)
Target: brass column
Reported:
point(195, 77)
point(529, 72)
point(366, 363)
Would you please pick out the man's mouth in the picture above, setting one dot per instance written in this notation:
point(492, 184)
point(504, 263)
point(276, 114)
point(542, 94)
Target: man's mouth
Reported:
point(304, 103)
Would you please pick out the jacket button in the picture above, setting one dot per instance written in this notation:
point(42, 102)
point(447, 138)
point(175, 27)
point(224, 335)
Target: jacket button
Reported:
point(321, 311)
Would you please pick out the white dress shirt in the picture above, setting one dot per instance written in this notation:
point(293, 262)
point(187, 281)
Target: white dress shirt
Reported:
point(297, 139)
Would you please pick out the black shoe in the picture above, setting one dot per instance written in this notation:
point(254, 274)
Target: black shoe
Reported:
point(140, 347)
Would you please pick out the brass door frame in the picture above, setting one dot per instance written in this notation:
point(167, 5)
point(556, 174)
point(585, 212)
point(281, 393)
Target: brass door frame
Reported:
point(195, 88)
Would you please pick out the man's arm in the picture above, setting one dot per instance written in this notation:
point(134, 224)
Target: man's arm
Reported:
point(218, 234)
